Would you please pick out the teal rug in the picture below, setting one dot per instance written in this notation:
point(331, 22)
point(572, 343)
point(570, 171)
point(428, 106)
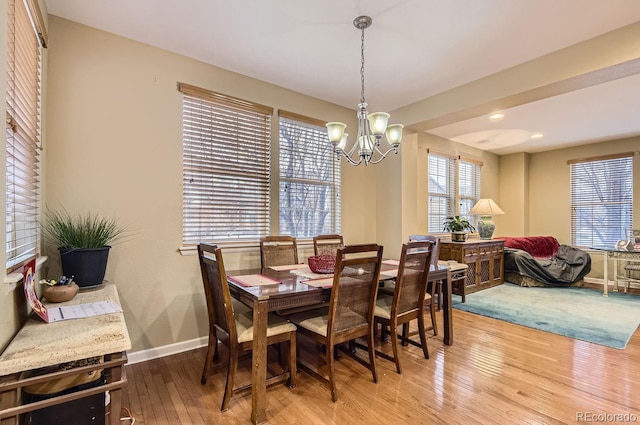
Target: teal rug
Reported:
point(578, 313)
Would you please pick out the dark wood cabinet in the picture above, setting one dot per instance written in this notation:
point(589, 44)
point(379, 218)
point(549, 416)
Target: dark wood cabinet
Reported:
point(485, 259)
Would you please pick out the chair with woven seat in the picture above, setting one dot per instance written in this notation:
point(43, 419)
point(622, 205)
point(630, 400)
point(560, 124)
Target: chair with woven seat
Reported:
point(408, 299)
point(350, 312)
point(327, 244)
point(278, 251)
point(433, 288)
point(235, 329)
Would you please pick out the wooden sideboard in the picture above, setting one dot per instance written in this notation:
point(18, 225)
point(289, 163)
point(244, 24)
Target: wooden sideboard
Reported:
point(40, 345)
point(485, 258)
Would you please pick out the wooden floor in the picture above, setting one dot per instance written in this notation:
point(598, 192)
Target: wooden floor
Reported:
point(495, 373)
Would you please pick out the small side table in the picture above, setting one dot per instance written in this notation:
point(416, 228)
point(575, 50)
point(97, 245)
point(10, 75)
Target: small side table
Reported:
point(39, 344)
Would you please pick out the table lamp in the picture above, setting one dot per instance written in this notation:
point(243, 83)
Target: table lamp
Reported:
point(486, 208)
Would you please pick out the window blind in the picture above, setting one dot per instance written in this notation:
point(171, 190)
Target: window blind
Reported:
point(22, 134)
point(442, 189)
point(468, 188)
point(601, 201)
point(226, 167)
point(310, 178)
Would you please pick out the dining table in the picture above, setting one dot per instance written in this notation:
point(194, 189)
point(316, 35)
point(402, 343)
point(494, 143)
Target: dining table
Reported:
point(283, 289)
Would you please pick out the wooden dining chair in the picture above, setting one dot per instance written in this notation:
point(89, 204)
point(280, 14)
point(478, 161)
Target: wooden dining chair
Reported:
point(408, 299)
point(327, 244)
point(433, 288)
point(350, 312)
point(233, 329)
point(278, 251)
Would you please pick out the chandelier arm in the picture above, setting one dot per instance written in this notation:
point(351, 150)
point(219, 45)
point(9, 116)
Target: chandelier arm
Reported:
point(349, 160)
point(383, 155)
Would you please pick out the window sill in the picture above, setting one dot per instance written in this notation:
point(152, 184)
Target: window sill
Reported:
point(12, 279)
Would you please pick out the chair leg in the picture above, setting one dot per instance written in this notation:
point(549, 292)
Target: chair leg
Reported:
point(293, 361)
point(434, 322)
point(423, 336)
point(394, 345)
point(231, 373)
point(372, 356)
point(332, 382)
point(405, 334)
point(439, 293)
point(212, 353)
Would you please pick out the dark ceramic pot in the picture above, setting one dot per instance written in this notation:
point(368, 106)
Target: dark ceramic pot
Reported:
point(87, 265)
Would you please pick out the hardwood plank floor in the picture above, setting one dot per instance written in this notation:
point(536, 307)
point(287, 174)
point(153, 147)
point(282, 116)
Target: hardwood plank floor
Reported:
point(496, 372)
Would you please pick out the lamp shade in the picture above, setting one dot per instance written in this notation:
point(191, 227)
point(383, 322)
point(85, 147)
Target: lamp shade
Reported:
point(486, 206)
point(378, 122)
point(335, 131)
point(394, 134)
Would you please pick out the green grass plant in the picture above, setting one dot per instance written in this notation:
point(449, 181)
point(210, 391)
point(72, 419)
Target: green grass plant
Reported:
point(81, 230)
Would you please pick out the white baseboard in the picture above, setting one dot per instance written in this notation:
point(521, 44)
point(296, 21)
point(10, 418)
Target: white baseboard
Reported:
point(166, 350)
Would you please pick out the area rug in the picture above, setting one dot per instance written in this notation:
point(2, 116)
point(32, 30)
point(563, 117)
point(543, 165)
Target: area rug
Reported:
point(578, 313)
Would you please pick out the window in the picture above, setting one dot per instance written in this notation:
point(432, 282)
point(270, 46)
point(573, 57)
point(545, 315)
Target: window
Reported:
point(23, 131)
point(468, 188)
point(309, 178)
point(601, 200)
point(446, 173)
point(226, 167)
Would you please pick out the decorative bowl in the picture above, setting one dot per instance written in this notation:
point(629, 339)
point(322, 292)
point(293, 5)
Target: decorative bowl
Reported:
point(59, 293)
point(323, 264)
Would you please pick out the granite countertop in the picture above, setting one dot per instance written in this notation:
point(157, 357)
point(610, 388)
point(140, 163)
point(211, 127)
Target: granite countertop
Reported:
point(39, 344)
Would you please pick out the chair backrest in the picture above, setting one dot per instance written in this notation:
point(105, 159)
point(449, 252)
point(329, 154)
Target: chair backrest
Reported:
point(355, 286)
point(327, 244)
point(429, 238)
point(278, 251)
point(216, 289)
point(413, 274)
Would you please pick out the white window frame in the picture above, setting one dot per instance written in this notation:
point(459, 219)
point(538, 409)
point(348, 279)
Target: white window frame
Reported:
point(448, 194)
point(26, 37)
point(309, 177)
point(601, 200)
point(226, 168)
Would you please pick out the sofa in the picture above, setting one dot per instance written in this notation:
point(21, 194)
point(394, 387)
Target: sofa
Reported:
point(542, 261)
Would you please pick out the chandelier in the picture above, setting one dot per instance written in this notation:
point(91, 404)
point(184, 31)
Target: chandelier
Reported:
point(371, 127)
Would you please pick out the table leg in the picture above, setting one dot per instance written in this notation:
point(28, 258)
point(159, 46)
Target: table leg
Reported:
point(115, 394)
point(606, 275)
point(9, 399)
point(615, 274)
point(447, 321)
point(259, 363)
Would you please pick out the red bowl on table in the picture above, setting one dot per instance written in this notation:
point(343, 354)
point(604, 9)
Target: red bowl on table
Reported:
point(323, 264)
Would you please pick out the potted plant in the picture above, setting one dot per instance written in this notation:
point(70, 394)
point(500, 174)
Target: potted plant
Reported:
point(458, 228)
point(83, 241)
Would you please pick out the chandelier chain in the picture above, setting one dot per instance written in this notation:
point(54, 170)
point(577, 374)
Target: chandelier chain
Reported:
point(362, 66)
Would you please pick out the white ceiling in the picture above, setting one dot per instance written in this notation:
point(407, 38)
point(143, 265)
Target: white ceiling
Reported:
point(413, 50)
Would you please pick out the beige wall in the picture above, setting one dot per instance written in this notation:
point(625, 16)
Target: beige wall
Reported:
point(514, 192)
point(549, 200)
point(403, 187)
point(114, 147)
